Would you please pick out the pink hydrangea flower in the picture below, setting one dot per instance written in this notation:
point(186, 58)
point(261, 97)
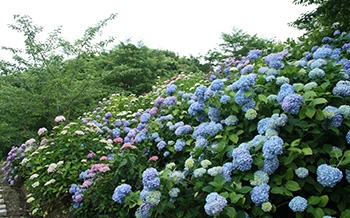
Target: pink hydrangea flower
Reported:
point(59, 119)
point(118, 140)
point(79, 132)
point(153, 158)
point(128, 145)
point(104, 158)
point(41, 131)
point(86, 183)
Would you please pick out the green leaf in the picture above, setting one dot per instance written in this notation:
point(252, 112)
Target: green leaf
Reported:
point(313, 200)
point(323, 200)
point(292, 186)
point(277, 190)
point(347, 153)
point(310, 112)
point(295, 143)
point(289, 174)
point(317, 101)
point(234, 198)
point(262, 98)
point(245, 189)
point(345, 213)
point(318, 212)
point(230, 211)
point(307, 151)
point(233, 138)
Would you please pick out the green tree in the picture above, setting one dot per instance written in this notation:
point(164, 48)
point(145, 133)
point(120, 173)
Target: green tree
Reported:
point(326, 13)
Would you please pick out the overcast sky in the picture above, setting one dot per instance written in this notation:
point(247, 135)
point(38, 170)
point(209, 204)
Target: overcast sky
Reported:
point(183, 26)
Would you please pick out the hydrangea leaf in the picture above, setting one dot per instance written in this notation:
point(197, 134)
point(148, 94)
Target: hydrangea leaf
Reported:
point(292, 186)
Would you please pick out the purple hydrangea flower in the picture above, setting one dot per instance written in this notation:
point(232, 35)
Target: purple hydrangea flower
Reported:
point(247, 69)
point(260, 194)
point(169, 101)
point(150, 179)
point(298, 204)
point(183, 130)
point(215, 203)
point(328, 176)
point(292, 103)
point(158, 101)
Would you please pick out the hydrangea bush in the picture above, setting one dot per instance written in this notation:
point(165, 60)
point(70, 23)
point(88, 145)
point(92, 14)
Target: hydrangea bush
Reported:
point(263, 136)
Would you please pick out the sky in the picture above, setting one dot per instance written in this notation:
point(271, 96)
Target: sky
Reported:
point(186, 27)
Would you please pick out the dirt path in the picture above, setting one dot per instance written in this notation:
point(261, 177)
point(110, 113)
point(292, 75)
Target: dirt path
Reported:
point(14, 200)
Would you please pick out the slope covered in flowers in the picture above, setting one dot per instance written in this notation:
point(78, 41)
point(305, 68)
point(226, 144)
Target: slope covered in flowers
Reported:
point(259, 137)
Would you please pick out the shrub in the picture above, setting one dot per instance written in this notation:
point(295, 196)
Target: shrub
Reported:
point(272, 147)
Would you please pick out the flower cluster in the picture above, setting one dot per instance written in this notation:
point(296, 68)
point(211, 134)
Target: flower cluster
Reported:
point(328, 176)
point(260, 194)
point(298, 204)
point(120, 192)
point(214, 204)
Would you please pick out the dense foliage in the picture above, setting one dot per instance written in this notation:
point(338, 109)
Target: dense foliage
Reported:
point(55, 77)
point(261, 136)
point(326, 13)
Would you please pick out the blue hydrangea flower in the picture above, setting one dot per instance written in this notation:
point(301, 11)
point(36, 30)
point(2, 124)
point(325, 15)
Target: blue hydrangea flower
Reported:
point(272, 147)
point(196, 108)
point(318, 63)
point(248, 105)
point(282, 80)
point(260, 194)
point(348, 137)
point(224, 99)
point(143, 210)
point(174, 192)
point(342, 88)
point(212, 128)
point(270, 165)
point(322, 52)
point(200, 90)
point(169, 101)
point(247, 69)
point(327, 39)
point(286, 89)
point(254, 54)
point(161, 145)
point(263, 125)
point(183, 130)
point(215, 203)
point(316, 73)
point(242, 160)
point(214, 114)
point(302, 172)
point(347, 175)
point(336, 118)
point(145, 117)
point(120, 193)
point(227, 168)
point(292, 103)
point(263, 70)
point(171, 89)
point(298, 204)
point(244, 82)
point(201, 142)
point(275, 60)
point(216, 85)
point(150, 179)
point(179, 145)
point(328, 176)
